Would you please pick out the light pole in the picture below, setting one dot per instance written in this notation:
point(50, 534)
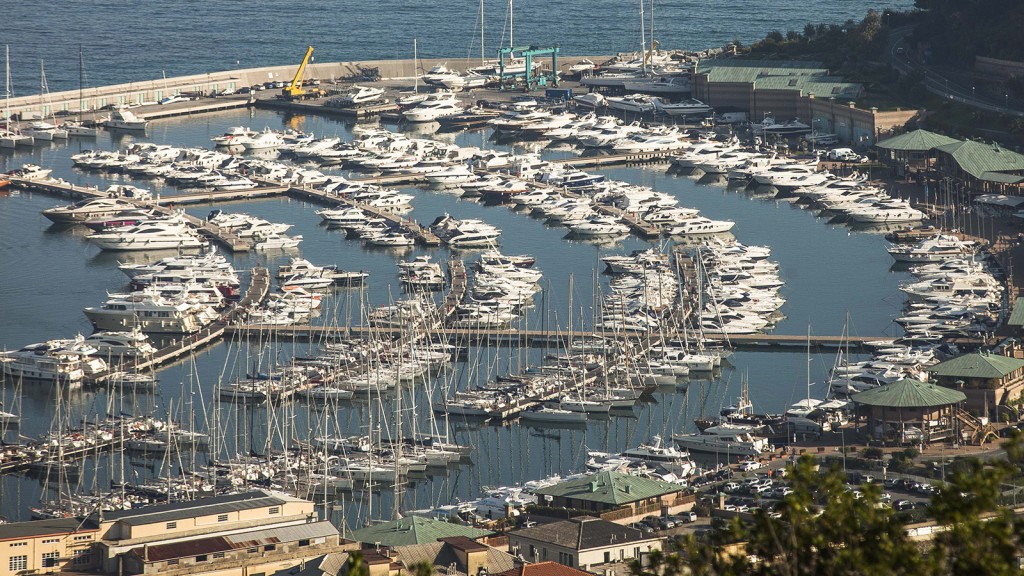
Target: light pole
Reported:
point(972, 92)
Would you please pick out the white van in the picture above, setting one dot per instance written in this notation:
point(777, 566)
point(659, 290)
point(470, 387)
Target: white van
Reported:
point(843, 155)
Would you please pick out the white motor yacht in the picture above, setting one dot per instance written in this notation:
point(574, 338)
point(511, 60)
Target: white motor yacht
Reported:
point(725, 439)
point(636, 104)
point(266, 140)
point(701, 225)
point(88, 210)
point(150, 313)
point(124, 119)
point(689, 107)
point(152, 235)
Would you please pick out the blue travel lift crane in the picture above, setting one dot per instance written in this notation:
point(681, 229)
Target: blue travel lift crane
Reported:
point(528, 52)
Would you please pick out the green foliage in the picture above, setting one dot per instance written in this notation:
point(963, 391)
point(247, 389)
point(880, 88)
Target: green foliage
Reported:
point(959, 30)
point(355, 565)
point(873, 452)
point(825, 529)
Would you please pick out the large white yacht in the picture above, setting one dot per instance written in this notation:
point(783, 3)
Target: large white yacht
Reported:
point(61, 361)
point(150, 313)
point(88, 209)
point(154, 235)
point(120, 345)
point(726, 439)
point(938, 248)
point(431, 110)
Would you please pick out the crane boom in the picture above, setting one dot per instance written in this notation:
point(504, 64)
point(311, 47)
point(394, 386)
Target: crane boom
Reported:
point(294, 89)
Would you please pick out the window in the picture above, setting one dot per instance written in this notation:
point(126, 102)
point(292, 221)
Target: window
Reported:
point(51, 540)
point(18, 563)
point(82, 557)
point(50, 559)
point(222, 518)
point(201, 558)
point(172, 562)
point(18, 544)
point(172, 525)
point(636, 552)
point(218, 554)
point(253, 550)
point(274, 510)
point(304, 542)
point(607, 557)
point(86, 537)
point(270, 548)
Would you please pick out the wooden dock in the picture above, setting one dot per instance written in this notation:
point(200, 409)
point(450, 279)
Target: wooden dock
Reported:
point(556, 338)
point(457, 283)
point(318, 107)
point(199, 106)
point(423, 235)
point(214, 196)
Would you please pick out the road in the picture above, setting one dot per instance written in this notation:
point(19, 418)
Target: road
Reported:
point(938, 83)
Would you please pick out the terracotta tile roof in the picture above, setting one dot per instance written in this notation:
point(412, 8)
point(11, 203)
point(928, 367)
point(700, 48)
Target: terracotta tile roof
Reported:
point(544, 569)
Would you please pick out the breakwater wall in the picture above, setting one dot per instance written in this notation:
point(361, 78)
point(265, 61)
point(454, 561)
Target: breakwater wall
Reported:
point(152, 91)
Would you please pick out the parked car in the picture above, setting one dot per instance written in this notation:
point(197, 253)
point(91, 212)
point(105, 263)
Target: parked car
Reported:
point(751, 465)
point(730, 487)
point(902, 505)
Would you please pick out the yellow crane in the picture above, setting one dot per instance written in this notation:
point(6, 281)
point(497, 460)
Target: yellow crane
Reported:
point(294, 90)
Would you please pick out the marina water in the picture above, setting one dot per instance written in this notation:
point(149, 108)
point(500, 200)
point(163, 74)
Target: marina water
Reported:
point(52, 272)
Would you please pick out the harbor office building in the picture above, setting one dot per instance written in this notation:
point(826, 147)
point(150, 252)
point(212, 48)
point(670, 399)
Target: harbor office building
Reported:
point(786, 90)
point(910, 412)
point(240, 534)
point(988, 380)
point(617, 497)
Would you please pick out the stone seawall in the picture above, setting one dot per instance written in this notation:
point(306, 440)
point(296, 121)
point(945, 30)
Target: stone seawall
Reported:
point(213, 82)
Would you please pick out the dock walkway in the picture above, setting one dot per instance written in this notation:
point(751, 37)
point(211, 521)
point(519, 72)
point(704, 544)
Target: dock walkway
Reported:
point(259, 287)
point(457, 283)
point(557, 338)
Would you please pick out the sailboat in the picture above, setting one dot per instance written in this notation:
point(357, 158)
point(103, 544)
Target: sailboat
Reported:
point(78, 127)
point(42, 130)
point(11, 138)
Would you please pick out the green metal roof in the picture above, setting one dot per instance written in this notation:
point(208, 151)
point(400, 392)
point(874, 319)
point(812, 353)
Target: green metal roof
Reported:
point(977, 158)
point(413, 530)
point(916, 141)
point(1001, 177)
point(1017, 316)
point(908, 393)
point(614, 488)
point(747, 71)
point(979, 364)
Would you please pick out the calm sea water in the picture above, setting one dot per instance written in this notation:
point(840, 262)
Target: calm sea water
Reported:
point(132, 40)
point(51, 273)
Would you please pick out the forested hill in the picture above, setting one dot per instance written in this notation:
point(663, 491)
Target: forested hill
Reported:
point(959, 30)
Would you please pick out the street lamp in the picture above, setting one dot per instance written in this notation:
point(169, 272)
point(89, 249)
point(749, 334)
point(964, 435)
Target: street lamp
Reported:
point(972, 92)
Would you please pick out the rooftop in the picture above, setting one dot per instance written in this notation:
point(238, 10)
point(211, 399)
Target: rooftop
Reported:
point(747, 71)
point(909, 393)
point(979, 364)
point(209, 545)
point(613, 488)
point(442, 554)
point(413, 530)
point(191, 509)
point(544, 569)
point(1017, 316)
point(981, 160)
point(916, 141)
point(582, 533)
point(36, 528)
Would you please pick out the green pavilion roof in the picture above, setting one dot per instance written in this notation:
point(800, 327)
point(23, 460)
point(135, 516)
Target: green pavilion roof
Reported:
point(981, 160)
point(908, 393)
point(613, 488)
point(978, 365)
point(916, 141)
point(1017, 316)
point(413, 530)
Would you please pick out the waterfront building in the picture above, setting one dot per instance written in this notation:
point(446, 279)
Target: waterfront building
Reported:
point(982, 167)
point(582, 542)
point(618, 497)
point(912, 149)
point(787, 90)
point(911, 412)
point(544, 569)
point(47, 546)
point(244, 534)
point(988, 380)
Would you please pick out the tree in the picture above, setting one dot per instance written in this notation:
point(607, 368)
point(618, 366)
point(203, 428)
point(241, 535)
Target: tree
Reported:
point(824, 528)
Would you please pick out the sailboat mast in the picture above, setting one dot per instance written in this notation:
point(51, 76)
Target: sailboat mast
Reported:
point(511, 43)
point(415, 68)
point(483, 58)
point(81, 82)
point(7, 87)
point(643, 39)
point(652, 27)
